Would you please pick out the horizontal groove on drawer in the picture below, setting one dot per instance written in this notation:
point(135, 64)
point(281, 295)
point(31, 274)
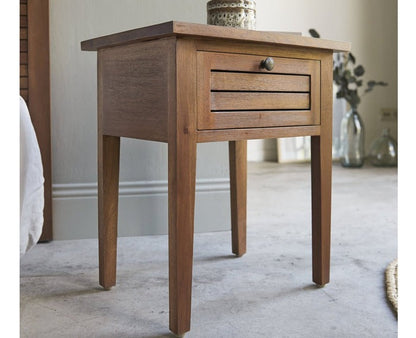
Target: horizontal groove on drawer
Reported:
point(242, 81)
point(258, 91)
point(258, 111)
point(247, 101)
point(262, 72)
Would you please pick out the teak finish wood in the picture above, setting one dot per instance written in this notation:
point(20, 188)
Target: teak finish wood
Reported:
point(35, 89)
point(238, 195)
point(259, 49)
point(23, 21)
point(247, 101)
point(229, 81)
point(164, 82)
point(182, 29)
point(135, 98)
point(23, 45)
point(255, 133)
point(321, 175)
point(181, 182)
point(23, 58)
point(23, 33)
point(23, 70)
point(24, 82)
point(23, 53)
point(108, 183)
point(268, 106)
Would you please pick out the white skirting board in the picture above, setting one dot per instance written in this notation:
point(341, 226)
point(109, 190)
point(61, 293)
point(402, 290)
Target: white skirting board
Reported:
point(143, 208)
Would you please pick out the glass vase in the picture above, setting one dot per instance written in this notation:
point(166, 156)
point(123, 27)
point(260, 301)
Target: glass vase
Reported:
point(352, 140)
point(383, 152)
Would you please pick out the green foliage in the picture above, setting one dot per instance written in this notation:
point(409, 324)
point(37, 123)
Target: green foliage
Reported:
point(348, 77)
point(314, 33)
point(372, 84)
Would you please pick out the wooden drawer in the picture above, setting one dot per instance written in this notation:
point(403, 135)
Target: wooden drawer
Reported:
point(235, 92)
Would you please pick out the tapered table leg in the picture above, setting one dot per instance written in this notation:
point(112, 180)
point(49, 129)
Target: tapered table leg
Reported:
point(108, 182)
point(238, 194)
point(321, 173)
point(182, 166)
point(181, 181)
point(321, 209)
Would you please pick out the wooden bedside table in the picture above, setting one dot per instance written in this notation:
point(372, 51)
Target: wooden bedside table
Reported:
point(184, 84)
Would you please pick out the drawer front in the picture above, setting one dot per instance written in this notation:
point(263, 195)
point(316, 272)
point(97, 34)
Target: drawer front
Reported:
point(235, 92)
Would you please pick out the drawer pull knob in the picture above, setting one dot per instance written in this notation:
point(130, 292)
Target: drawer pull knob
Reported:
point(267, 64)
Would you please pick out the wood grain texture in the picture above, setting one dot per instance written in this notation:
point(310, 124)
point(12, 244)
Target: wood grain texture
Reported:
point(23, 33)
point(23, 21)
point(23, 70)
point(315, 97)
point(108, 182)
point(259, 101)
point(238, 195)
point(255, 133)
point(25, 94)
point(135, 89)
point(220, 109)
point(23, 45)
point(252, 119)
point(188, 67)
point(182, 167)
point(260, 49)
point(229, 81)
point(209, 31)
point(39, 97)
point(321, 174)
point(251, 63)
point(23, 58)
point(24, 82)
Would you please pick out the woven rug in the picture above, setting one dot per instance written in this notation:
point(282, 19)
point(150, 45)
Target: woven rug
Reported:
point(391, 283)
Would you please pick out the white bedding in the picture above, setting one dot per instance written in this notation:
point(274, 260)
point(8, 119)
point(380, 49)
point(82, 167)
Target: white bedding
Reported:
point(31, 183)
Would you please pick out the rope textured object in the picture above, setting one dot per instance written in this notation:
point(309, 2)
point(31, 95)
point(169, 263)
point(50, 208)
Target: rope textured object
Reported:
point(391, 283)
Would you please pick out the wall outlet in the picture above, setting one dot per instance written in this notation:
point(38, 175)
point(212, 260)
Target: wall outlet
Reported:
point(388, 114)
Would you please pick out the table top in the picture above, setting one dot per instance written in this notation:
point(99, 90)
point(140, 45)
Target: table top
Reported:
point(174, 28)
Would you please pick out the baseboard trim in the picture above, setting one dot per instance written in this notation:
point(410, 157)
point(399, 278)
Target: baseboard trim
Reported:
point(142, 208)
point(136, 188)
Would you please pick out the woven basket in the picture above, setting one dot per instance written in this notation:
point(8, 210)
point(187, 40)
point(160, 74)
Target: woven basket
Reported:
point(232, 13)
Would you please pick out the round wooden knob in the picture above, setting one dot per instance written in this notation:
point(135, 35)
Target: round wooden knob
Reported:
point(267, 64)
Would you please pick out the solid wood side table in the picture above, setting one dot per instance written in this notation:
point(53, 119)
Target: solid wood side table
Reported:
point(184, 84)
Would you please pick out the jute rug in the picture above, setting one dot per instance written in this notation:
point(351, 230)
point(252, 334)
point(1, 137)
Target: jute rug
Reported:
point(391, 283)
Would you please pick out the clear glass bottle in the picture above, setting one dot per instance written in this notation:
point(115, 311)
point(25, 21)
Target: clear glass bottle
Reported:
point(352, 140)
point(383, 152)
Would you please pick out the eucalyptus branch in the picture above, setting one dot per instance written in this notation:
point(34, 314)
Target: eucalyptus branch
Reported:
point(348, 77)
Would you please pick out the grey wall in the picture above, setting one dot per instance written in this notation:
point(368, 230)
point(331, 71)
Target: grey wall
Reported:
point(371, 25)
point(73, 83)
point(143, 164)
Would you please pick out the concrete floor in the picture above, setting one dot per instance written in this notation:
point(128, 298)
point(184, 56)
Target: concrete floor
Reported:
point(266, 293)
